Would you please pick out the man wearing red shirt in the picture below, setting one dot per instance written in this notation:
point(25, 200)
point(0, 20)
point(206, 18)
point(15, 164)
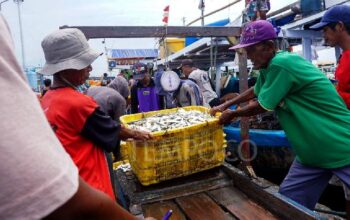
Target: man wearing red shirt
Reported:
point(84, 130)
point(335, 24)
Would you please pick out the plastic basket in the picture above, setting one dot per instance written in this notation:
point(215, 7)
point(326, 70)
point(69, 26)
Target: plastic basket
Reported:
point(177, 152)
point(124, 151)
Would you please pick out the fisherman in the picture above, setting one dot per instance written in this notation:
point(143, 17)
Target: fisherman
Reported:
point(144, 97)
point(120, 84)
point(177, 92)
point(201, 78)
point(83, 129)
point(313, 115)
point(50, 187)
point(335, 24)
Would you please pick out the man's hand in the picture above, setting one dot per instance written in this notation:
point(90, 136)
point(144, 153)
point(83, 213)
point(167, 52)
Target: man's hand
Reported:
point(142, 135)
point(216, 109)
point(227, 116)
point(126, 133)
point(150, 218)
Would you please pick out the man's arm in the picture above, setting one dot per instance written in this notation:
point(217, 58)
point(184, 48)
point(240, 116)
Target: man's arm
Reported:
point(244, 97)
point(89, 203)
point(251, 109)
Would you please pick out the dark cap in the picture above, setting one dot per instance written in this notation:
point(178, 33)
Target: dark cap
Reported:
point(139, 70)
point(186, 62)
point(334, 15)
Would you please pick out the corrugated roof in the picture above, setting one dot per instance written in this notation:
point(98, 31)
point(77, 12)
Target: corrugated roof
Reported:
point(136, 53)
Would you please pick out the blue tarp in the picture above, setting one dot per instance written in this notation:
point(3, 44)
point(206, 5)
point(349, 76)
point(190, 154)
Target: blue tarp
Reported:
point(137, 53)
point(191, 40)
point(272, 138)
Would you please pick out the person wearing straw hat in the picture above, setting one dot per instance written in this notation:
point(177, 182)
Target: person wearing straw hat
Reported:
point(313, 115)
point(83, 129)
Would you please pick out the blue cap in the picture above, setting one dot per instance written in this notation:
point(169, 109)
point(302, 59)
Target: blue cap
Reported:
point(334, 15)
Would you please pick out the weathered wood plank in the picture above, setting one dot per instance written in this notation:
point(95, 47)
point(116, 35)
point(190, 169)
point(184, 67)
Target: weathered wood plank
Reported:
point(239, 204)
point(202, 207)
point(155, 31)
point(204, 181)
point(267, 196)
point(159, 209)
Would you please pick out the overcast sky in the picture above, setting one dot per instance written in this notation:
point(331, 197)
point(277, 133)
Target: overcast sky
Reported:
point(40, 17)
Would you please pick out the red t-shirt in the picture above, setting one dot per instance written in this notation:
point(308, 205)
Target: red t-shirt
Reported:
point(67, 111)
point(342, 74)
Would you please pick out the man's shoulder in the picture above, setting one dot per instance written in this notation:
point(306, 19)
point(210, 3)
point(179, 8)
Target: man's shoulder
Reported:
point(198, 74)
point(198, 71)
point(74, 98)
point(282, 58)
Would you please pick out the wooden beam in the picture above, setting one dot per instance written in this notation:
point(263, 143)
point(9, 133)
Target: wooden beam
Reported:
point(267, 196)
point(155, 31)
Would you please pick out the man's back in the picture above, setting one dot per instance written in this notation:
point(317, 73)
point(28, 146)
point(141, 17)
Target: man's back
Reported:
point(109, 101)
point(202, 79)
point(308, 108)
point(189, 94)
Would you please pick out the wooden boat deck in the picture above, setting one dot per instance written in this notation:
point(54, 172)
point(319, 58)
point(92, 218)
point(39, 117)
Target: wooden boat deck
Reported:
point(221, 193)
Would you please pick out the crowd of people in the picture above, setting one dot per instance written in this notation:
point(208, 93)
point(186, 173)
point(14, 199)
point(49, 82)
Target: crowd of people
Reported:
point(64, 143)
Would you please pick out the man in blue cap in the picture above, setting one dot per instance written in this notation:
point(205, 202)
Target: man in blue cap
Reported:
point(310, 111)
point(335, 24)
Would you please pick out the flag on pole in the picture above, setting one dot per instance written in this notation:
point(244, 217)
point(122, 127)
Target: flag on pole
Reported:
point(201, 5)
point(166, 15)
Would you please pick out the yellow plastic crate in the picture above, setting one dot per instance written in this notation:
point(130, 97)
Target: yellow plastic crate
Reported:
point(177, 152)
point(124, 150)
point(118, 163)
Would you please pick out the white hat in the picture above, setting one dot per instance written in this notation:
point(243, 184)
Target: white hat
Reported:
point(66, 49)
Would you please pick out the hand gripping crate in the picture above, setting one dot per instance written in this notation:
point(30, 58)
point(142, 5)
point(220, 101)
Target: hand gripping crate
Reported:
point(177, 152)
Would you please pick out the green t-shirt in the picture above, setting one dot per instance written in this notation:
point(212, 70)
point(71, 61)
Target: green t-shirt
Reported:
point(313, 115)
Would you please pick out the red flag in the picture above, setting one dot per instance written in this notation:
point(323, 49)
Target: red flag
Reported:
point(166, 15)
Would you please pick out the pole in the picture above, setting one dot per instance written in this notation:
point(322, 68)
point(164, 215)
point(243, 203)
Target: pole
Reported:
point(243, 86)
point(21, 32)
point(306, 42)
point(202, 15)
point(213, 12)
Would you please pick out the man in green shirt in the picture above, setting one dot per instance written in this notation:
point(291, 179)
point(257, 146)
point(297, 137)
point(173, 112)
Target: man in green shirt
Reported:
point(313, 115)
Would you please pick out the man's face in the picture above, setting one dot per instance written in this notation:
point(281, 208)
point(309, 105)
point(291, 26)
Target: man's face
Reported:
point(78, 77)
point(260, 54)
point(186, 70)
point(146, 79)
point(331, 36)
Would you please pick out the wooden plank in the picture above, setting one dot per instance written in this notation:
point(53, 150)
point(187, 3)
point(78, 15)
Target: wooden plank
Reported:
point(159, 209)
point(239, 204)
point(202, 207)
point(267, 196)
point(155, 31)
point(136, 194)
